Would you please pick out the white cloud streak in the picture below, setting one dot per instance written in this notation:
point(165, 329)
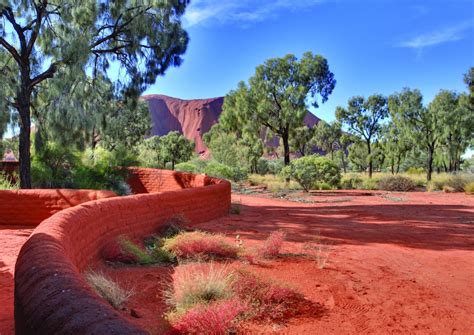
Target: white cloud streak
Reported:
point(450, 34)
point(239, 11)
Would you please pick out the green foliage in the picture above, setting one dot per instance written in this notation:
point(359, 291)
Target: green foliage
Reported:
point(262, 166)
point(301, 140)
point(275, 100)
point(308, 171)
point(42, 41)
point(327, 136)
point(219, 170)
point(6, 183)
point(187, 167)
point(363, 118)
point(275, 166)
point(172, 148)
point(396, 183)
point(453, 183)
point(351, 182)
point(469, 187)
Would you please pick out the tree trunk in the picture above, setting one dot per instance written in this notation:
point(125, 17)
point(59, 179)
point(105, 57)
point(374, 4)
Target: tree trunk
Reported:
point(429, 167)
point(286, 148)
point(24, 146)
point(392, 165)
point(369, 150)
point(343, 161)
point(399, 158)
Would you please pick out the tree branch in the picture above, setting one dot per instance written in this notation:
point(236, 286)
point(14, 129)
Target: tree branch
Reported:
point(11, 49)
point(49, 73)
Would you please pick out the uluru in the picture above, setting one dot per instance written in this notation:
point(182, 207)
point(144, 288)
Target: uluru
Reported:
point(193, 118)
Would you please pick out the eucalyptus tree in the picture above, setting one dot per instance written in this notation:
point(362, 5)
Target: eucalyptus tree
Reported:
point(363, 118)
point(327, 136)
point(39, 38)
point(421, 124)
point(302, 140)
point(396, 145)
point(275, 99)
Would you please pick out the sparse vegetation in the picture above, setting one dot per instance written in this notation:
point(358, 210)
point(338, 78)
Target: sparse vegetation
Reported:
point(319, 250)
point(200, 246)
point(272, 245)
point(396, 183)
point(108, 289)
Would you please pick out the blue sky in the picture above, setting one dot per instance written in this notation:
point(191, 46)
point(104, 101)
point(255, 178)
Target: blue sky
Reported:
point(376, 46)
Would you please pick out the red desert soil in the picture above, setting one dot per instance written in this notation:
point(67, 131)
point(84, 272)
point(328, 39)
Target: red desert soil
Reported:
point(11, 240)
point(401, 264)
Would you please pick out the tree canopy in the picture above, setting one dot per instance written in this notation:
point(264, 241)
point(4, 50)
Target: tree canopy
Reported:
point(39, 39)
point(275, 100)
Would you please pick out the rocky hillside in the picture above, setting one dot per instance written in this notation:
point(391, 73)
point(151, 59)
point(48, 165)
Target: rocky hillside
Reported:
point(193, 118)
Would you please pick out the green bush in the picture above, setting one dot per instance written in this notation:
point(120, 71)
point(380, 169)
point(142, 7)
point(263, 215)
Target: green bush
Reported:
point(275, 166)
point(469, 188)
point(219, 170)
point(308, 171)
point(449, 183)
point(262, 166)
point(187, 167)
point(396, 183)
point(351, 182)
point(415, 170)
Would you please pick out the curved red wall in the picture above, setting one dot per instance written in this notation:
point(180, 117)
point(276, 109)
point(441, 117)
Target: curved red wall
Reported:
point(51, 295)
point(30, 207)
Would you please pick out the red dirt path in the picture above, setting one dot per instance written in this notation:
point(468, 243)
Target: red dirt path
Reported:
point(11, 240)
point(400, 265)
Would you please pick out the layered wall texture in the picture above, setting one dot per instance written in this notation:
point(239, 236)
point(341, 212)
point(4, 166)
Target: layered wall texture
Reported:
point(51, 296)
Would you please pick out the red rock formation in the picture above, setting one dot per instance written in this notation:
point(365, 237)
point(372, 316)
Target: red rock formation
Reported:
point(193, 118)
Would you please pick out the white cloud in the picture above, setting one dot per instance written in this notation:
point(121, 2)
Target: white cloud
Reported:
point(245, 11)
point(450, 34)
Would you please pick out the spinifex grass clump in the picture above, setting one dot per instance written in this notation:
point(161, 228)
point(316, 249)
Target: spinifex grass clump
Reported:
point(198, 284)
point(201, 246)
point(216, 318)
point(272, 245)
point(108, 289)
point(124, 250)
point(266, 300)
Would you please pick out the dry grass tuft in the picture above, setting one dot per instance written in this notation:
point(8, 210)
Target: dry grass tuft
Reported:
point(108, 289)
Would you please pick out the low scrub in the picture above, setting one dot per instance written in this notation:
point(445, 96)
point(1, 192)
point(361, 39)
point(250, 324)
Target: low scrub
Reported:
point(266, 300)
point(6, 183)
point(272, 245)
point(108, 289)
point(469, 188)
point(200, 246)
point(396, 183)
point(198, 284)
point(450, 183)
point(216, 318)
point(312, 171)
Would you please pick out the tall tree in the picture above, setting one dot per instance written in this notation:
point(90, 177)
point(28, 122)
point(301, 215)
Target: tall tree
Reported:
point(143, 38)
point(302, 140)
point(363, 118)
point(275, 100)
point(395, 146)
point(176, 148)
point(422, 125)
point(327, 136)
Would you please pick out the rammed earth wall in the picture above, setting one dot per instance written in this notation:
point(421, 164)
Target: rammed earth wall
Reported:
point(51, 296)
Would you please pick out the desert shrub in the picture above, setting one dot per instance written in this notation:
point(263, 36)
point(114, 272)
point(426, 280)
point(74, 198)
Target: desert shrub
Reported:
point(219, 170)
point(310, 170)
point(415, 170)
point(6, 183)
point(124, 250)
point(200, 245)
point(198, 283)
point(369, 184)
point(108, 289)
point(469, 188)
point(351, 182)
point(216, 318)
point(449, 183)
point(262, 166)
point(265, 299)
point(275, 166)
point(396, 183)
point(187, 167)
point(272, 245)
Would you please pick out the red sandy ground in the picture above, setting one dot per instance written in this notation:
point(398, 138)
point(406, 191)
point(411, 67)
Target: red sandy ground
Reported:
point(11, 240)
point(402, 264)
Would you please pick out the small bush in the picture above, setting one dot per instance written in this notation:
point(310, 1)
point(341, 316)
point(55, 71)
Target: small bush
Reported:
point(214, 319)
point(200, 245)
point(396, 183)
point(187, 167)
point(267, 300)
point(469, 188)
point(262, 166)
point(6, 183)
point(198, 283)
point(450, 183)
point(369, 184)
point(218, 170)
point(415, 170)
point(272, 245)
point(308, 171)
point(108, 289)
point(351, 182)
point(275, 166)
